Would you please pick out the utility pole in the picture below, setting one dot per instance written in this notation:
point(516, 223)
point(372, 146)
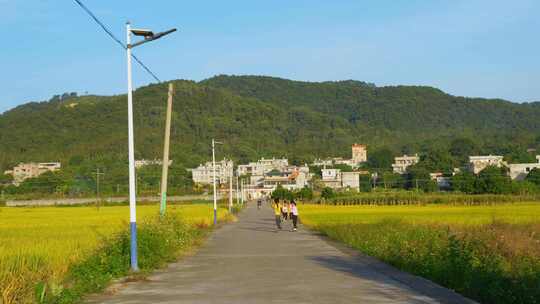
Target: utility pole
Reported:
point(98, 174)
point(242, 191)
point(237, 189)
point(230, 191)
point(214, 177)
point(165, 169)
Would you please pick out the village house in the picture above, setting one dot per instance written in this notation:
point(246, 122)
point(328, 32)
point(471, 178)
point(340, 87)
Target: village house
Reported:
point(359, 156)
point(479, 163)
point(139, 163)
point(520, 171)
point(401, 163)
point(29, 170)
point(204, 174)
point(295, 179)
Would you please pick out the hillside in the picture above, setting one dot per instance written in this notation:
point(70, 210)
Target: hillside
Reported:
point(261, 116)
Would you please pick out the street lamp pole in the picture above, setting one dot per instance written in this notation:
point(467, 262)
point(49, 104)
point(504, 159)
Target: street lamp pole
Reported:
point(214, 179)
point(148, 36)
point(131, 156)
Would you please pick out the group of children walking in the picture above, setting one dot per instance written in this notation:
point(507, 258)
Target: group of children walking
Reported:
point(286, 210)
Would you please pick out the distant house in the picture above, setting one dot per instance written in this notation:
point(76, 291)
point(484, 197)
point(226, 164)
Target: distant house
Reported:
point(359, 155)
point(401, 163)
point(520, 171)
point(443, 182)
point(139, 163)
point(204, 174)
point(350, 180)
point(29, 170)
point(479, 163)
point(331, 178)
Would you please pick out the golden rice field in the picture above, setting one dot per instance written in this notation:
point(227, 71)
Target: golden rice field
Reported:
point(488, 253)
point(53, 238)
point(519, 213)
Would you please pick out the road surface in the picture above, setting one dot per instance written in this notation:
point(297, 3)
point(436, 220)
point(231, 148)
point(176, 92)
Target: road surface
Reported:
point(250, 262)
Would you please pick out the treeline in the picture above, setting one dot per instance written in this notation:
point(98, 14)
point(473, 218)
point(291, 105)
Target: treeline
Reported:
point(264, 117)
point(113, 181)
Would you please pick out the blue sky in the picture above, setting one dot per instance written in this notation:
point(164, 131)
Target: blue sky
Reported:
point(484, 48)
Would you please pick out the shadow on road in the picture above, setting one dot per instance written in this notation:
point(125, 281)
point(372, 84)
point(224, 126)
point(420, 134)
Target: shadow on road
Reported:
point(389, 276)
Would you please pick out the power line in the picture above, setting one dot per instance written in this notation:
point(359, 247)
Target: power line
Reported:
point(104, 27)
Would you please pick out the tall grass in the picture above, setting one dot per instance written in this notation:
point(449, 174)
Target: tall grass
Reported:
point(39, 246)
point(415, 198)
point(491, 259)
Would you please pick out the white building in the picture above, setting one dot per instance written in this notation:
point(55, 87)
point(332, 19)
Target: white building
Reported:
point(331, 178)
point(520, 171)
point(262, 166)
point(401, 163)
point(139, 163)
point(359, 155)
point(204, 174)
point(30, 170)
point(294, 180)
point(479, 163)
point(350, 180)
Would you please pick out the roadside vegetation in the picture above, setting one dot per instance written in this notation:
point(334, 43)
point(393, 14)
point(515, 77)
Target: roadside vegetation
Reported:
point(58, 254)
point(488, 253)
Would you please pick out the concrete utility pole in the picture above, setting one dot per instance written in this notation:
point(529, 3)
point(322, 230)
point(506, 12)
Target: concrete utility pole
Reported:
point(242, 191)
point(230, 192)
point(237, 190)
point(214, 177)
point(165, 169)
point(98, 174)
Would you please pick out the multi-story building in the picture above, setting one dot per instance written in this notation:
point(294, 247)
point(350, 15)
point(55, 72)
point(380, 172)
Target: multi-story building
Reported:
point(29, 170)
point(262, 166)
point(479, 163)
point(331, 178)
point(204, 174)
point(520, 171)
point(359, 153)
point(401, 163)
point(292, 180)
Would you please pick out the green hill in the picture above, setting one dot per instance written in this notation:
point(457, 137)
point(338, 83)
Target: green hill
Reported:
point(262, 116)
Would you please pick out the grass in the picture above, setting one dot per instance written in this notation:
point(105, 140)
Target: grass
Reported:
point(488, 253)
point(40, 248)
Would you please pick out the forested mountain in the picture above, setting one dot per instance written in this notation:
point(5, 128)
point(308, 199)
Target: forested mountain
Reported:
point(262, 116)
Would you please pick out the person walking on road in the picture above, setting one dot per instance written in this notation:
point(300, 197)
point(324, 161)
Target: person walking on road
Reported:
point(285, 210)
point(259, 203)
point(293, 209)
point(277, 212)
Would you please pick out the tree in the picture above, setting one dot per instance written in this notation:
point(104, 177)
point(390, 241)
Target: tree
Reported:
point(534, 176)
point(365, 183)
point(380, 159)
point(493, 180)
point(343, 167)
point(328, 193)
point(461, 148)
point(392, 180)
point(305, 193)
point(281, 193)
point(464, 182)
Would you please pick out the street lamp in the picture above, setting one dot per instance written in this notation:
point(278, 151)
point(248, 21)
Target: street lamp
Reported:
point(148, 36)
point(214, 179)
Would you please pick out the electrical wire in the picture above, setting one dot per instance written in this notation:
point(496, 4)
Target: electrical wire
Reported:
point(104, 27)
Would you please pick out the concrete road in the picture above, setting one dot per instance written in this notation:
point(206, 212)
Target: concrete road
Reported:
point(250, 262)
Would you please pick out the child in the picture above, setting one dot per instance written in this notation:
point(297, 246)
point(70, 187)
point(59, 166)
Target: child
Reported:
point(277, 212)
point(285, 210)
point(294, 214)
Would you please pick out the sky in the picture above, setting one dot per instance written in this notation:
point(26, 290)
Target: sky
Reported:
point(475, 48)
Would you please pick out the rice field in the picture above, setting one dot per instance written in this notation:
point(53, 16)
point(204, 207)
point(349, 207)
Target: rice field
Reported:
point(519, 213)
point(40, 244)
point(490, 253)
